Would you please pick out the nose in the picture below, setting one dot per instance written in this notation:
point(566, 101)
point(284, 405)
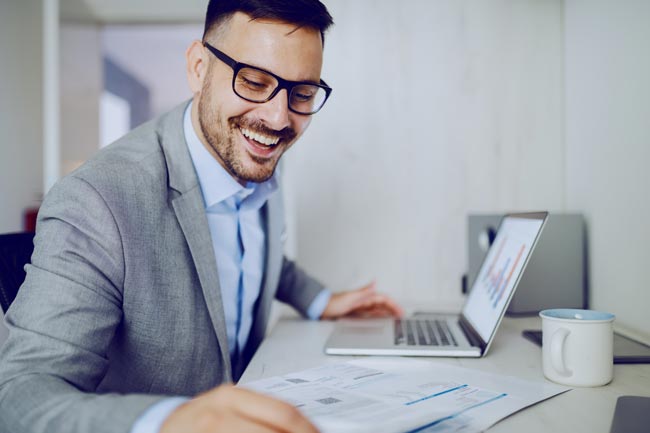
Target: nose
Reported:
point(275, 112)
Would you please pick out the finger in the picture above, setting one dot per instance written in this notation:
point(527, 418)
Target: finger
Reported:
point(386, 303)
point(392, 306)
point(381, 311)
point(233, 423)
point(371, 286)
point(281, 417)
point(342, 304)
point(373, 312)
point(273, 413)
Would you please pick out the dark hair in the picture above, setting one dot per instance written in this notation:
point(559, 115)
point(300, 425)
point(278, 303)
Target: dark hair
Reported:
point(302, 13)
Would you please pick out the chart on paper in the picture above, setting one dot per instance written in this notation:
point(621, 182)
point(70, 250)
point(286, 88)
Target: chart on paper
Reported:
point(355, 397)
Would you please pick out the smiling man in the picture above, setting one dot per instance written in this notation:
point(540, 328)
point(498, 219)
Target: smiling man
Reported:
point(250, 123)
point(156, 262)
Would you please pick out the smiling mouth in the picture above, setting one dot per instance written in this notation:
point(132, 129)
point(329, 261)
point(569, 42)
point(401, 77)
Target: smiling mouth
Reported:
point(263, 140)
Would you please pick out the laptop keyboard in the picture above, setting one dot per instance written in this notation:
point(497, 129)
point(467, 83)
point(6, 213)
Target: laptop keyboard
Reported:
point(423, 332)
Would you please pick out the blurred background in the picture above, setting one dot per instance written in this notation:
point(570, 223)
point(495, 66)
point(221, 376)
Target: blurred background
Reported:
point(440, 109)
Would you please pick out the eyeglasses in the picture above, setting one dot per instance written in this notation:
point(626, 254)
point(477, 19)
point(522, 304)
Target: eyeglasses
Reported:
point(257, 85)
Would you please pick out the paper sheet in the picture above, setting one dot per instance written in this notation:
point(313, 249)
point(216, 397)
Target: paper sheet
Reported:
point(400, 395)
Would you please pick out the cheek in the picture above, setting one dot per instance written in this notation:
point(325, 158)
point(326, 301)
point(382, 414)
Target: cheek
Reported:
point(221, 99)
point(300, 123)
point(232, 105)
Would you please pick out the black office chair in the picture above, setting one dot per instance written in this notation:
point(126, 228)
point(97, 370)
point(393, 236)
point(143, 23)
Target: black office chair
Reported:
point(15, 252)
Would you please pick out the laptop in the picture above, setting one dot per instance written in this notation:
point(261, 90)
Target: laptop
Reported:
point(466, 335)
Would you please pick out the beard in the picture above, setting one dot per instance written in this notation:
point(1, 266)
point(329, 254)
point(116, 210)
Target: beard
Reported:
point(222, 136)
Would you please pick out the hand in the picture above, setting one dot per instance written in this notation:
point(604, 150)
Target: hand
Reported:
point(230, 409)
point(363, 302)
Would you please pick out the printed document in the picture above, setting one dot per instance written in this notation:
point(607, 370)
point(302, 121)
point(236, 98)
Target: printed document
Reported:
point(403, 395)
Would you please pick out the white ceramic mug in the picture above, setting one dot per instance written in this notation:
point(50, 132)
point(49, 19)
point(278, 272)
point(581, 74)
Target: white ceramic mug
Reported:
point(577, 346)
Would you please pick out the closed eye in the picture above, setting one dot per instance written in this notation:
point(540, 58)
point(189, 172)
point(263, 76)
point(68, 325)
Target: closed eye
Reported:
point(303, 97)
point(253, 85)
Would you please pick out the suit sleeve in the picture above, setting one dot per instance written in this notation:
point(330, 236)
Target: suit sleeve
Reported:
point(296, 288)
point(63, 321)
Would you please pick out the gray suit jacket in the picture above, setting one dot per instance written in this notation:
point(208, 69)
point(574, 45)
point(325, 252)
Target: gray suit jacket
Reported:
point(122, 305)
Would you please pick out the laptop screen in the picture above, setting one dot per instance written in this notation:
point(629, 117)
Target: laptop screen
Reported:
point(500, 272)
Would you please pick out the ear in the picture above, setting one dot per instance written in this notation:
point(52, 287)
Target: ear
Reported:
point(196, 66)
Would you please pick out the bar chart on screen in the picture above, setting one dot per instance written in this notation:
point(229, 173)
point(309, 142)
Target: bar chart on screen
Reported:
point(498, 275)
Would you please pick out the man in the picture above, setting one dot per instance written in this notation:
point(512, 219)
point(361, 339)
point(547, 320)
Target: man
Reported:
point(156, 262)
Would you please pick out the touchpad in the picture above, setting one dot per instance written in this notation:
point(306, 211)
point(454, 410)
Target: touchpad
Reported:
point(363, 327)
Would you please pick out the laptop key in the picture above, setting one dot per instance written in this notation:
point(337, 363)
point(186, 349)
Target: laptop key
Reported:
point(422, 341)
point(423, 332)
point(399, 332)
point(451, 335)
point(410, 335)
point(432, 334)
point(441, 333)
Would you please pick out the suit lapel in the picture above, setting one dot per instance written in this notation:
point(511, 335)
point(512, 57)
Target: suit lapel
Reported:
point(187, 203)
point(191, 216)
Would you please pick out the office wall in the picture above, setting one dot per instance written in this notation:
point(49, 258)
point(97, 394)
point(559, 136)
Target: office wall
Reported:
point(141, 50)
point(439, 109)
point(155, 55)
point(81, 86)
point(21, 132)
point(607, 59)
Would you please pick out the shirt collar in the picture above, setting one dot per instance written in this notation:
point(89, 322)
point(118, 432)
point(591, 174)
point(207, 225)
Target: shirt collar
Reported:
point(217, 185)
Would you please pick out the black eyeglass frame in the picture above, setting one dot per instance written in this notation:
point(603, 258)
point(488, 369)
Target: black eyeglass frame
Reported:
point(282, 83)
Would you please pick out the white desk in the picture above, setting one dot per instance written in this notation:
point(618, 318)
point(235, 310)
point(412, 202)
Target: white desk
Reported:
point(295, 345)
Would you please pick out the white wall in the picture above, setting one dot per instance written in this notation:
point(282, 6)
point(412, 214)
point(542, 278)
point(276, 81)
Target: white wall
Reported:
point(155, 55)
point(439, 108)
point(137, 12)
point(21, 132)
point(608, 148)
point(82, 83)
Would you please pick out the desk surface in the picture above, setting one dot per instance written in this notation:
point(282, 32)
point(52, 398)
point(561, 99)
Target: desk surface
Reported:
point(295, 345)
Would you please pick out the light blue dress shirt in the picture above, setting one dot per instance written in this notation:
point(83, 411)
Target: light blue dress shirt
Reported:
point(238, 239)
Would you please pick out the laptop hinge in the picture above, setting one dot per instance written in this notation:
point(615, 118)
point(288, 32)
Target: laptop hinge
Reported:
point(473, 336)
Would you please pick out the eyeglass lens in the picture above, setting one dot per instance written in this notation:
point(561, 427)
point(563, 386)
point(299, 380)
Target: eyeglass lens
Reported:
point(257, 86)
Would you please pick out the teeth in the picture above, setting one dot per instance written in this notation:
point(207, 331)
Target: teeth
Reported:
point(263, 139)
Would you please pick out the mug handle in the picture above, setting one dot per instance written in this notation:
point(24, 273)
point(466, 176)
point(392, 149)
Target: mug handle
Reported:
point(557, 352)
